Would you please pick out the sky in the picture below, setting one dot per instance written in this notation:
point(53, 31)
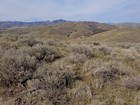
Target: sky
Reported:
point(108, 11)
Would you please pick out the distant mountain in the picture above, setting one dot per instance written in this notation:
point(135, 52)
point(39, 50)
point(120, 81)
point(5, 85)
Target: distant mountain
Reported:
point(18, 24)
point(128, 25)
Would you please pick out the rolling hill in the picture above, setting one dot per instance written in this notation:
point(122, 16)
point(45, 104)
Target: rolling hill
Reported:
point(89, 31)
point(116, 35)
point(67, 29)
point(76, 29)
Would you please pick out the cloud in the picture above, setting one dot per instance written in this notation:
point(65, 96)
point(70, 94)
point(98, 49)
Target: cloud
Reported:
point(93, 10)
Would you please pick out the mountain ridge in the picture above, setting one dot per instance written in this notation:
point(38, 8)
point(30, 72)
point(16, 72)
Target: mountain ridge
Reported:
point(20, 24)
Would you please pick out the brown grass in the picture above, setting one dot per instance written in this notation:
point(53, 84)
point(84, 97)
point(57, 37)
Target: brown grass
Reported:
point(50, 71)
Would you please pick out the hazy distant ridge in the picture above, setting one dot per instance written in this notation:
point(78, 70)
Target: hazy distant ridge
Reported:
point(128, 25)
point(18, 24)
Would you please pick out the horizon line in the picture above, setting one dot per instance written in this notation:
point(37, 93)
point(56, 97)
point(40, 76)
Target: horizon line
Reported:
point(64, 20)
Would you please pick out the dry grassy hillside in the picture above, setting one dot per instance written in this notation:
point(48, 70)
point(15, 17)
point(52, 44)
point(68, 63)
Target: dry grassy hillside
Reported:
point(38, 68)
point(76, 29)
point(116, 35)
point(71, 29)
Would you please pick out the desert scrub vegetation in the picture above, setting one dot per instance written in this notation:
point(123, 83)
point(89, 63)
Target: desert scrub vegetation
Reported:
point(132, 82)
point(17, 65)
point(43, 52)
point(14, 67)
point(111, 71)
point(53, 72)
point(91, 50)
point(56, 83)
point(57, 43)
point(83, 49)
point(29, 41)
point(11, 38)
point(48, 86)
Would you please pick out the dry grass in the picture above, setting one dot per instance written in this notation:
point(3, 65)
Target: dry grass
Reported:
point(116, 35)
point(132, 82)
point(60, 72)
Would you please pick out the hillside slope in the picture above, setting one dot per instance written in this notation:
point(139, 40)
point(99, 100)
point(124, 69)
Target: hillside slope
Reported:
point(116, 35)
point(89, 31)
point(67, 29)
point(76, 29)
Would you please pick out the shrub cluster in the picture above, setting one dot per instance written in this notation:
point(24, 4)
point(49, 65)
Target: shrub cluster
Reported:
point(18, 65)
point(29, 42)
point(82, 49)
point(132, 82)
point(43, 52)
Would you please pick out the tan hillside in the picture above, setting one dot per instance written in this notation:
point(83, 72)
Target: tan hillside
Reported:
point(117, 35)
point(71, 29)
point(76, 29)
point(79, 31)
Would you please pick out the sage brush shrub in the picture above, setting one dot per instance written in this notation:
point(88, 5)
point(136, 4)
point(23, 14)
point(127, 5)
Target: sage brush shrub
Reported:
point(6, 46)
point(15, 69)
point(44, 53)
point(81, 49)
point(57, 43)
point(55, 83)
point(29, 42)
point(76, 58)
point(81, 94)
point(12, 38)
point(111, 71)
point(132, 82)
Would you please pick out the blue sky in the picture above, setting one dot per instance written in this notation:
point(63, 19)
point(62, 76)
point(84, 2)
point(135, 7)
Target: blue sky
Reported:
point(111, 11)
